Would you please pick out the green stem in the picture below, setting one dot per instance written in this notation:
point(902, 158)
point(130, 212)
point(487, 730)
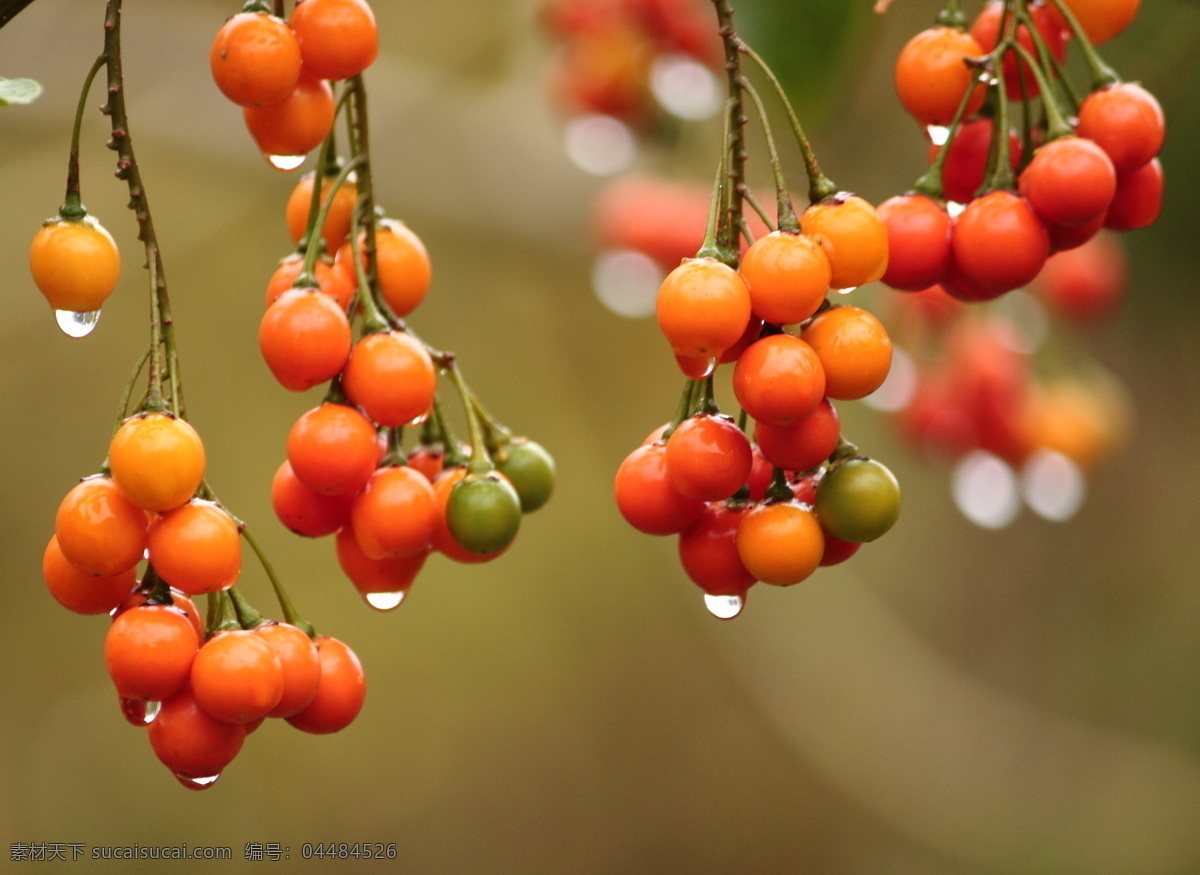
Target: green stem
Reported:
point(1056, 125)
point(1102, 74)
point(687, 402)
point(787, 214)
point(735, 143)
point(123, 409)
point(247, 616)
point(820, 186)
point(72, 208)
point(307, 278)
point(709, 248)
point(290, 614)
point(780, 489)
point(952, 16)
point(481, 462)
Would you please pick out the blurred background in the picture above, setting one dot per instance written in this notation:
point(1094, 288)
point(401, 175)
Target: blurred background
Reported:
point(954, 699)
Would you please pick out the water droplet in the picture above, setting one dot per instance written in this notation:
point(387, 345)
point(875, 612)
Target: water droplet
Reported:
point(138, 712)
point(696, 367)
point(724, 607)
point(285, 162)
point(1052, 485)
point(985, 490)
point(626, 282)
point(75, 324)
point(845, 291)
point(938, 134)
point(196, 783)
point(385, 601)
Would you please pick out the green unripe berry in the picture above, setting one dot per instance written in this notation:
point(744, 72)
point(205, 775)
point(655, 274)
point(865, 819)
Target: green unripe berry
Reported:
point(530, 469)
point(483, 512)
point(858, 500)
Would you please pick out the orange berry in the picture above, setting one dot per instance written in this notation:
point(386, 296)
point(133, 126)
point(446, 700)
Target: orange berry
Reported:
point(75, 264)
point(157, 460)
point(854, 349)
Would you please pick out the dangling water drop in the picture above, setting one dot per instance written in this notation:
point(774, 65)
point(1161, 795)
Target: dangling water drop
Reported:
point(385, 601)
point(74, 324)
point(196, 783)
point(938, 134)
point(138, 712)
point(724, 607)
point(696, 367)
point(845, 291)
point(285, 162)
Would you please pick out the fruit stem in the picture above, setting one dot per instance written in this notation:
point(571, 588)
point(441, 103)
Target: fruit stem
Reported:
point(709, 248)
point(780, 489)
point(307, 279)
point(123, 408)
point(72, 208)
point(247, 616)
point(452, 455)
point(735, 142)
point(787, 214)
point(481, 462)
point(1056, 125)
point(683, 409)
point(366, 218)
point(290, 614)
point(1102, 74)
point(394, 457)
point(820, 186)
point(952, 16)
point(930, 182)
point(163, 363)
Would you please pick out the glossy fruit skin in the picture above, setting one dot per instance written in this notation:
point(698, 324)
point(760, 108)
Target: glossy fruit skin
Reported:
point(340, 692)
point(79, 591)
point(483, 512)
point(1126, 121)
point(645, 496)
point(391, 377)
point(1138, 200)
point(854, 349)
point(779, 379)
point(75, 264)
point(1070, 181)
point(986, 30)
point(858, 500)
point(854, 238)
point(305, 511)
point(299, 665)
point(1101, 20)
point(780, 543)
point(236, 677)
point(394, 514)
point(191, 743)
point(788, 276)
point(530, 469)
point(801, 445)
point(337, 218)
point(931, 75)
point(298, 123)
point(255, 59)
point(196, 548)
point(332, 449)
point(149, 650)
point(390, 574)
point(443, 541)
point(1063, 238)
point(708, 457)
point(338, 38)
point(157, 460)
point(304, 338)
point(332, 280)
point(179, 599)
point(966, 162)
point(702, 308)
point(98, 530)
point(402, 266)
point(837, 551)
point(999, 242)
point(708, 550)
point(918, 233)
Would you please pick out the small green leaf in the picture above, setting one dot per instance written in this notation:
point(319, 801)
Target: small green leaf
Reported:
point(19, 91)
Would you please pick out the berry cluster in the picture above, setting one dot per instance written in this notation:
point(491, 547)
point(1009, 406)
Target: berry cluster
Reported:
point(798, 496)
point(280, 71)
point(1004, 394)
point(335, 315)
point(143, 536)
point(1074, 167)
